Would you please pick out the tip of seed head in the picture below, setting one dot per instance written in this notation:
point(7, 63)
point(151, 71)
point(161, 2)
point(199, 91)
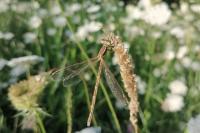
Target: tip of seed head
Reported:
point(110, 40)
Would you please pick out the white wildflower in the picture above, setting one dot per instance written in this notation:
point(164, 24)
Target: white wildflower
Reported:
point(156, 34)
point(169, 55)
point(189, 17)
point(164, 69)
point(35, 4)
point(93, 8)
point(178, 67)
point(55, 9)
point(195, 8)
point(76, 19)
point(172, 103)
point(134, 31)
point(144, 3)
point(59, 21)
point(29, 37)
point(193, 125)
point(51, 31)
point(147, 57)
point(35, 22)
point(126, 46)
point(42, 12)
point(157, 15)
point(186, 62)
point(178, 87)
point(18, 70)
point(184, 7)
point(134, 13)
point(182, 51)
point(93, 26)
point(120, 3)
point(87, 28)
point(71, 9)
point(114, 60)
point(82, 33)
point(4, 6)
point(111, 27)
point(8, 35)
point(119, 104)
point(95, 16)
point(196, 48)
point(26, 60)
point(90, 130)
point(68, 33)
point(178, 32)
point(157, 72)
point(141, 85)
point(22, 7)
point(3, 62)
point(87, 76)
point(195, 66)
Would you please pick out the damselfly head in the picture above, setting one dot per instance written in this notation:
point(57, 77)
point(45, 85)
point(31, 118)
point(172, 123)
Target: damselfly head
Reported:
point(110, 40)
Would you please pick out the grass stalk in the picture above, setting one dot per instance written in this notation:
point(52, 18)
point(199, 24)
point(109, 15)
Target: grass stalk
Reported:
point(40, 123)
point(88, 100)
point(69, 109)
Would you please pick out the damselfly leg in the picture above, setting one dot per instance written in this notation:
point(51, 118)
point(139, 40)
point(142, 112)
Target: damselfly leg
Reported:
point(95, 93)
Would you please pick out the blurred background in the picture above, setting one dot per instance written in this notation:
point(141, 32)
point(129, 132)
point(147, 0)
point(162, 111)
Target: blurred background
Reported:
point(36, 36)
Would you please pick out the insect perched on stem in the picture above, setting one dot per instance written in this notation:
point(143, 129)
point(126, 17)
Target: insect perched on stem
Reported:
point(110, 42)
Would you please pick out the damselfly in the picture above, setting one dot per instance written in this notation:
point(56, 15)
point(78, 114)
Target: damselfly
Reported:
point(75, 69)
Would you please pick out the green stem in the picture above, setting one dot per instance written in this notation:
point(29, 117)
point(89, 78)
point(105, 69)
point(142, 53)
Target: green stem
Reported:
point(88, 100)
point(69, 110)
point(40, 123)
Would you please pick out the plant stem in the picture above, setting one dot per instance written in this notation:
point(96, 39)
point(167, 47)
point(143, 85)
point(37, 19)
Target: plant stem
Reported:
point(88, 100)
point(40, 123)
point(69, 109)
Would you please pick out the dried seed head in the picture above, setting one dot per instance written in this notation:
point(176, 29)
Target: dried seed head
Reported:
point(24, 95)
point(126, 70)
point(110, 40)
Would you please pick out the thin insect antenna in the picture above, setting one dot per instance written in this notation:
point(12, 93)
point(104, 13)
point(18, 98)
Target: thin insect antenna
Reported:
point(95, 94)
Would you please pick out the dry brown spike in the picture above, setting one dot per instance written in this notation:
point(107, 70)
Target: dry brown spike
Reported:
point(113, 42)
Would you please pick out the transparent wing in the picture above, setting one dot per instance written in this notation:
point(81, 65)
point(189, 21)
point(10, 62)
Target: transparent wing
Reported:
point(114, 86)
point(69, 74)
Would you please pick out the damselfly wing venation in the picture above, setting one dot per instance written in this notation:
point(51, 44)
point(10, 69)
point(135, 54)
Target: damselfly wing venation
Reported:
point(69, 75)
